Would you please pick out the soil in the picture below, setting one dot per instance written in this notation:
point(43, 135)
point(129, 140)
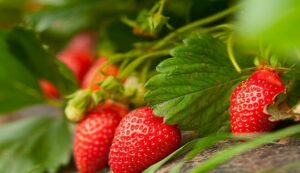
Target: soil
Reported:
point(271, 158)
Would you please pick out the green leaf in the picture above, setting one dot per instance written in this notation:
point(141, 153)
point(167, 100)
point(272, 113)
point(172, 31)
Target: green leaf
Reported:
point(30, 52)
point(227, 154)
point(37, 144)
point(18, 87)
point(193, 88)
point(279, 28)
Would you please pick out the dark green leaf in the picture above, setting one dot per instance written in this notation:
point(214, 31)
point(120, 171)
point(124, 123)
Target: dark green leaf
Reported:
point(18, 87)
point(37, 144)
point(194, 87)
point(28, 50)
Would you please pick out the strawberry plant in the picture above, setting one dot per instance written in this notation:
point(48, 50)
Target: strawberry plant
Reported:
point(102, 85)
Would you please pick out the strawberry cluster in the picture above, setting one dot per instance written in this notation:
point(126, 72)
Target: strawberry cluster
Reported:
point(107, 132)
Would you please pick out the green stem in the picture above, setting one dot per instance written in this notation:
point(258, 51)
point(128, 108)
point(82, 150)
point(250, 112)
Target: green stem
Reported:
point(145, 71)
point(141, 59)
point(231, 54)
point(220, 29)
point(124, 64)
point(54, 103)
point(192, 25)
point(131, 54)
point(162, 3)
point(99, 70)
point(115, 59)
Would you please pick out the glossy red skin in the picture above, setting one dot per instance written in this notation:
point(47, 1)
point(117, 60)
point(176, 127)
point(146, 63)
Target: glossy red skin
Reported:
point(141, 140)
point(93, 138)
point(82, 41)
point(120, 108)
point(78, 55)
point(249, 99)
point(78, 62)
point(49, 89)
point(89, 78)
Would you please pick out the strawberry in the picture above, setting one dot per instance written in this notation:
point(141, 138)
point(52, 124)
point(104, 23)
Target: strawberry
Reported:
point(120, 108)
point(249, 99)
point(93, 138)
point(78, 62)
point(48, 89)
point(78, 54)
point(94, 76)
point(82, 41)
point(141, 140)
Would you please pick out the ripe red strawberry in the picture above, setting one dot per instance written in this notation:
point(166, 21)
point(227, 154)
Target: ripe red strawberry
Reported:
point(78, 54)
point(82, 41)
point(120, 108)
point(249, 99)
point(93, 76)
point(141, 140)
point(78, 62)
point(93, 138)
point(48, 89)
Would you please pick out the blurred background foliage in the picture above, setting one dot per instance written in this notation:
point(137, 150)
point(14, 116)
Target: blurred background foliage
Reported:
point(58, 20)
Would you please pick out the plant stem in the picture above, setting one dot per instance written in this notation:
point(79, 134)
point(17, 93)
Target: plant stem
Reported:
point(134, 64)
point(162, 3)
point(231, 54)
point(54, 103)
point(131, 54)
point(192, 25)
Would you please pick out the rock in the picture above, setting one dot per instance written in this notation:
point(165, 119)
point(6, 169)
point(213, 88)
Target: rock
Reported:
point(271, 158)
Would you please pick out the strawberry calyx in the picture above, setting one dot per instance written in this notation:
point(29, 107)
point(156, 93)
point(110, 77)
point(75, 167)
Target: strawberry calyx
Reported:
point(279, 109)
point(78, 104)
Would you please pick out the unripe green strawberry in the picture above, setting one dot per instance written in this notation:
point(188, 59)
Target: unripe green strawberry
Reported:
point(249, 99)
